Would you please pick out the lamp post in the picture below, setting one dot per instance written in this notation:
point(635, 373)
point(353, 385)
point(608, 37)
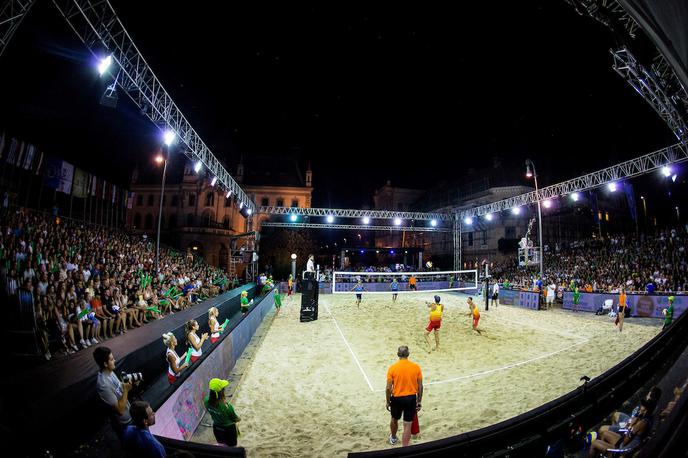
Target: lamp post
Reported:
point(169, 137)
point(532, 173)
point(293, 266)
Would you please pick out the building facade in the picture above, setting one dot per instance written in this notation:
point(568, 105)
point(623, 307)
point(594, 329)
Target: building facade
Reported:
point(199, 217)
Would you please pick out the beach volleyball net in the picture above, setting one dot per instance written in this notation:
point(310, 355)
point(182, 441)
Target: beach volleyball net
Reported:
point(382, 282)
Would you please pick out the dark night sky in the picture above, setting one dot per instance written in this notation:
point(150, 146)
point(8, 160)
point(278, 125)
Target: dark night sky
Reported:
point(414, 94)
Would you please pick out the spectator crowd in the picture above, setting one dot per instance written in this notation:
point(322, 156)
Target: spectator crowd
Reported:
point(656, 263)
point(88, 284)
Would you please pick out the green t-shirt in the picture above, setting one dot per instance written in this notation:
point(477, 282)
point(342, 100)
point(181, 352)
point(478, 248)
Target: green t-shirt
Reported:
point(576, 296)
point(669, 317)
point(223, 414)
point(278, 301)
point(244, 302)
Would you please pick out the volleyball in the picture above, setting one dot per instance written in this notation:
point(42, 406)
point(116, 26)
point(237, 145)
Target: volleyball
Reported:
point(428, 264)
point(664, 312)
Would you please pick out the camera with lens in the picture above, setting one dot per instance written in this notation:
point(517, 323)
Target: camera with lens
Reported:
point(132, 378)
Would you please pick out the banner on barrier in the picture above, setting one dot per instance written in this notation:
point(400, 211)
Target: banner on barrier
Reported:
point(642, 305)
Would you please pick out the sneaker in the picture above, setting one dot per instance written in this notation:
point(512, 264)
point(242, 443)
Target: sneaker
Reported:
point(74, 348)
point(70, 351)
point(393, 440)
point(47, 356)
point(94, 341)
point(84, 344)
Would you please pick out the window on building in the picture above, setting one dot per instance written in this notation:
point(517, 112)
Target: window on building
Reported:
point(294, 203)
point(280, 202)
point(484, 234)
point(149, 222)
point(264, 202)
point(225, 222)
point(190, 219)
point(151, 200)
point(209, 199)
point(139, 200)
point(510, 232)
point(470, 239)
point(175, 200)
point(137, 220)
point(192, 200)
point(228, 202)
point(172, 221)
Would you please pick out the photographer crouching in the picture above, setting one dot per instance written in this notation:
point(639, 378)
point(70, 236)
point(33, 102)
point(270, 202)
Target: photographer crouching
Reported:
point(113, 392)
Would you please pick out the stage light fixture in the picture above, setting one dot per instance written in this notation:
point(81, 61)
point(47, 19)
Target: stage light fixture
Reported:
point(197, 167)
point(104, 64)
point(169, 137)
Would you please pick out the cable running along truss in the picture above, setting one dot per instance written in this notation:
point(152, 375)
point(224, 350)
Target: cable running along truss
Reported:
point(96, 24)
point(342, 213)
point(367, 227)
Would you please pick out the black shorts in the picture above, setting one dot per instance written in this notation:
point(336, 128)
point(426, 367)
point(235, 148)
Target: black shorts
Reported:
point(226, 435)
point(494, 297)
point(358, 296)
point(405, 404)
point(413, 287)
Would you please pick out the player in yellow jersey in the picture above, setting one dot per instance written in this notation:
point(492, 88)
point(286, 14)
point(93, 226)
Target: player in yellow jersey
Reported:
point(436, 310)
point(475, 313)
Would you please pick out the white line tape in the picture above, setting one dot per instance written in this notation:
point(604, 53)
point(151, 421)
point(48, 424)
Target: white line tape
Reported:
point(349, 347)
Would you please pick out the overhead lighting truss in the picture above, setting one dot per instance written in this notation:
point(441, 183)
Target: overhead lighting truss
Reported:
point(97, 24)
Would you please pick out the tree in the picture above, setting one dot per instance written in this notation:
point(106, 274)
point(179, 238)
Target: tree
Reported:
point(277, 245)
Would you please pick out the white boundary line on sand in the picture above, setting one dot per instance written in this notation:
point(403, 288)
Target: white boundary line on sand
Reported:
point(491, 371)
point(349, 347)
point(582, 341)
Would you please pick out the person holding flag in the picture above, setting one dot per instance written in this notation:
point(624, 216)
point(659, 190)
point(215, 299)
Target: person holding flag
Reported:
point(173, 360)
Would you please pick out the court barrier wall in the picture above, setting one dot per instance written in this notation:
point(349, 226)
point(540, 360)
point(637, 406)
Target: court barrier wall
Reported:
point(525, 299)
point(181, 413)
point(545, 429)
point(642, 305)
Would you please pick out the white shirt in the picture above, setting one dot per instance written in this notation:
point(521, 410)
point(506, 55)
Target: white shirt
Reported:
point(550, 290)
point(310, 266)
point(495, 288)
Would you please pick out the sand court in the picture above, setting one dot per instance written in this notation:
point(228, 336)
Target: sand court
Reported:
point(317, 389)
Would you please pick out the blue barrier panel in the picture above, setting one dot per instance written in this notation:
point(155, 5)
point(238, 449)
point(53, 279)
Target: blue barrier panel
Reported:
point(525, 299)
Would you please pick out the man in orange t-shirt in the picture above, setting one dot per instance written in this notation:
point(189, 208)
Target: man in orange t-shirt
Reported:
point(412, 283)
point(404, 393)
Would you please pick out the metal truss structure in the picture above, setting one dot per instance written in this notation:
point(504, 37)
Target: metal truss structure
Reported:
point(366, 227)
point(629, 169)
point(652, 89)
point(12, 12)
point(98, 27)
point(658, 85)
point(342, 213)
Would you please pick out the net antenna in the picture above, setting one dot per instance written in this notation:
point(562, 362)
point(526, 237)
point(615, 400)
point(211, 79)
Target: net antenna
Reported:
point(425, 282)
